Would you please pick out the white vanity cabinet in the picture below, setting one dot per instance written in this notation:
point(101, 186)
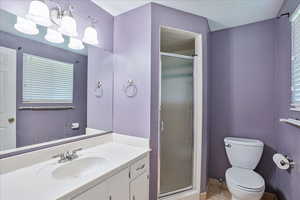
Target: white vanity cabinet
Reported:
point(131, 183)
point(118, 186)
point(139, 188)
point(98, 192)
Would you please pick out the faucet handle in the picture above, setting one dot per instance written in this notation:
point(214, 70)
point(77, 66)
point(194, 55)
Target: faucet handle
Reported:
point(61, 156)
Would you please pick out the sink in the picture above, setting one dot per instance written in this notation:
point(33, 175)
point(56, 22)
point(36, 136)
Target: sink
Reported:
point(79, 167)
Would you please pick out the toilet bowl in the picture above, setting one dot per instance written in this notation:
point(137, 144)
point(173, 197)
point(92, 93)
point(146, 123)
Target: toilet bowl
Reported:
point(244, 184)
point(244, 154)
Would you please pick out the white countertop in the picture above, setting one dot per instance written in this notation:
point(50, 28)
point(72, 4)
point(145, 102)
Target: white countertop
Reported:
point(36, 182)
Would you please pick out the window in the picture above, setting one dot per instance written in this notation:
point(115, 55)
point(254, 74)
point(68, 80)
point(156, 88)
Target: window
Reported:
point(295, 71)
point(46, 80)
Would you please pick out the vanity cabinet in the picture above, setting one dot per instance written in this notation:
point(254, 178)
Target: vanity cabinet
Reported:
point(139, 188)
point(118, 186)
point(95, 193)
point(131, 183)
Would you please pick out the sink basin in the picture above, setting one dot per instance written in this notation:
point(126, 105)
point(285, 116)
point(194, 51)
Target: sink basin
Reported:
point(79, 167)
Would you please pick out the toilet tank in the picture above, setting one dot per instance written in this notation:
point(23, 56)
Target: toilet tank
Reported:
point(242, 152)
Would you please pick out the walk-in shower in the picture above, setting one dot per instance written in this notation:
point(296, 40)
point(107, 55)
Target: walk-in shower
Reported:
point(180, 90)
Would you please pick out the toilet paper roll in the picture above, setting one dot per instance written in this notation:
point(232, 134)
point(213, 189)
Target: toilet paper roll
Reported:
point(281, 161)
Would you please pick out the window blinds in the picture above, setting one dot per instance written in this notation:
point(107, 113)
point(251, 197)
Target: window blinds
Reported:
point(46, 80)
point(295, 75)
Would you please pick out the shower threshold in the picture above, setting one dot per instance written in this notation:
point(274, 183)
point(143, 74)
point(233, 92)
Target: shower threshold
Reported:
point(167, 194)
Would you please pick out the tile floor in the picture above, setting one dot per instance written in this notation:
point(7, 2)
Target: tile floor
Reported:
point(217, 191)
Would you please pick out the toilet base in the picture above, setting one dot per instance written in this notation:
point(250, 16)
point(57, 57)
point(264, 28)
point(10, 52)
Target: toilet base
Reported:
point(238, 194)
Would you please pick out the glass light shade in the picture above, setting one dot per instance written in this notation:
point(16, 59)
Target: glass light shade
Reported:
point(75, 44)
point(54, 36)
point(68, 26)
point(90, 36)
point(26, 26)
point(39, 13)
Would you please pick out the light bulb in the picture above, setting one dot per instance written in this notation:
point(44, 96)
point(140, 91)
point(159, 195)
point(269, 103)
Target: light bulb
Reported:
point(54, 36)
point(26, 26)
point(90, 36)
point(75, 44)
point(68, 26)
point(39, 13)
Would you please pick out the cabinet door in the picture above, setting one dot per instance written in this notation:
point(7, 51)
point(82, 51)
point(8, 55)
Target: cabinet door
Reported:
point(139, 188)
point(118, 186)
point(99, 192)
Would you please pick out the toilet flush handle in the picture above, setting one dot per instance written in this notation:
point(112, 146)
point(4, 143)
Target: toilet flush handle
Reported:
point(228, 145)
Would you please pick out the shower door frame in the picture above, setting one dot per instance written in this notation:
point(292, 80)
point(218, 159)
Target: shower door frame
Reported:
point(192, 192)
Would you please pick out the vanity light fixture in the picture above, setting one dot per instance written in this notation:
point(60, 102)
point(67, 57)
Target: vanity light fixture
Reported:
point(39, 13)
point(61, 22)
point(75, 43)
point(54, 36)
point(68, 26)
point(90, 36)
point(26, 26)
point(90, 33)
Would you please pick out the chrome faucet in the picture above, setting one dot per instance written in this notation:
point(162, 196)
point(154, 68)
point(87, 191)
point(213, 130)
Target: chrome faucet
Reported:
point(67, 156)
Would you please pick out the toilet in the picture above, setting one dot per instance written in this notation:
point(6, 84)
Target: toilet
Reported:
point(241, 179)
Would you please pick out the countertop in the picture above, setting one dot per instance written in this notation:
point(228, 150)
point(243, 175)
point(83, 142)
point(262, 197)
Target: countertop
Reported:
point(36, 182)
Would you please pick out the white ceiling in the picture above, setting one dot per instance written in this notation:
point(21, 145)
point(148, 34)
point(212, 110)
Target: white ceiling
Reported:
point(220, 13)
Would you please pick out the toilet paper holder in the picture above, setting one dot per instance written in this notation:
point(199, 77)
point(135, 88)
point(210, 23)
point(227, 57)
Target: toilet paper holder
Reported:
point(290, 162)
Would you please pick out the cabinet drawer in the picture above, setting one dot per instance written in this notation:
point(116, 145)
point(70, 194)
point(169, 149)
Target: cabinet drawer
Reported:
point(139, 167)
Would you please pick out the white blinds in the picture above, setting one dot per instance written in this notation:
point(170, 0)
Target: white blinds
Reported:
point(295, 22)
point(46, 80)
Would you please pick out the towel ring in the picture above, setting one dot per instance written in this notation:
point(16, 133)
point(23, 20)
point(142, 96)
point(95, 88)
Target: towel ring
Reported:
point(99, 89)
point(131, 89)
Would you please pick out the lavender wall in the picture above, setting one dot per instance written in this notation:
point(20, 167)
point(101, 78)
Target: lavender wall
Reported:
point(242, 98)
point(41, 126)
point(164, 16)
point(99, 109)
point(132, 56)
point(136, 48)
point(288, 136)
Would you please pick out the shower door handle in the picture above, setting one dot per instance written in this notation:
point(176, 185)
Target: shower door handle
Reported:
point(162, 126)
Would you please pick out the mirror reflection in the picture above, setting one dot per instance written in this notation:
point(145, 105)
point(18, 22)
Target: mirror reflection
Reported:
point(46, 82)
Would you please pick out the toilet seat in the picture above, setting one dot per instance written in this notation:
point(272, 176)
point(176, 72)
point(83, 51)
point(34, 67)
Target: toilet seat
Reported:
point(244, 179)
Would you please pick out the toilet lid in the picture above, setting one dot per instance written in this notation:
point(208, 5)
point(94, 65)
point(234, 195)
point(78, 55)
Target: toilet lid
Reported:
point(245, 179)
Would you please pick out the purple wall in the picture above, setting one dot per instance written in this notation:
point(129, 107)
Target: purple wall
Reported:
point(136, 48)
point(41, 126)
point(99, 109)
point(288, 136)
point(132, 57)
point(164, 16)
point(242, 97)
point(83, 9)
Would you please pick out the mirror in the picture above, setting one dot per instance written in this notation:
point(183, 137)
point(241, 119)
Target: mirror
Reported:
point(48, 91)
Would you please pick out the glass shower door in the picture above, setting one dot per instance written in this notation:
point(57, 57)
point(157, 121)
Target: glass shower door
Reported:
point(176, 135)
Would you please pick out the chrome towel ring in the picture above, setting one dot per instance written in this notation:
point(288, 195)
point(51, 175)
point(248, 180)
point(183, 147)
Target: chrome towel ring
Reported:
point(99, 89)
point(131, 89)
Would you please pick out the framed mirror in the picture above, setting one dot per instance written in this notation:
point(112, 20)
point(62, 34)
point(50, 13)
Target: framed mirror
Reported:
point(50, 90)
